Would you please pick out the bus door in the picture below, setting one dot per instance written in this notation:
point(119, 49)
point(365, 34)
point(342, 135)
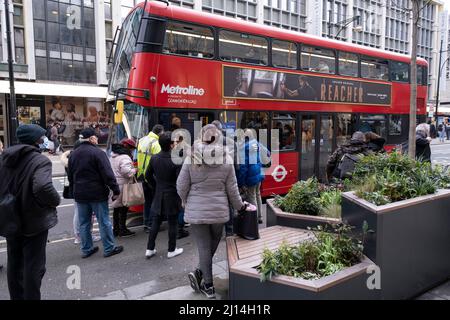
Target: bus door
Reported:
point(318, 143)
point(283, 172)
point(308, 156)
point(326, 146)
point(177, 119)
point(283, 169)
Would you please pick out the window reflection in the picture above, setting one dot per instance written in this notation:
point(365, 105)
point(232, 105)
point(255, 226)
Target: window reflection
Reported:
point(373, 123)
point(285, 124)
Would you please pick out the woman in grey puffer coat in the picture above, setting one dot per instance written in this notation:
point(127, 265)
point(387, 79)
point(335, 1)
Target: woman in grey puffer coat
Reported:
point(206, 184)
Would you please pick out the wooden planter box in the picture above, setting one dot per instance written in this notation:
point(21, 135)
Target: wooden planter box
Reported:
point(276, 216)
point(244, 280)
point(410, 241)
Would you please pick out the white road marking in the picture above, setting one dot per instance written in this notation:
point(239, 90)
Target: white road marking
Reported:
point(66, 205)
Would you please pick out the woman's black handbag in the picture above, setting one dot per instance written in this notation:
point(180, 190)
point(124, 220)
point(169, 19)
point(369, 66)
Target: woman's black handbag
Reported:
point(245, 225)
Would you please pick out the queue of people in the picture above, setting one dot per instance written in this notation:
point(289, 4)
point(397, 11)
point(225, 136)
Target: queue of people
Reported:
point(216, 177)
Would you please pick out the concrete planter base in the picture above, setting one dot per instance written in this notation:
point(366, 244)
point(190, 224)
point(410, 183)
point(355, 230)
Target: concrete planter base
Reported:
point(244, 280)
point(276, 216)
point(410, 241)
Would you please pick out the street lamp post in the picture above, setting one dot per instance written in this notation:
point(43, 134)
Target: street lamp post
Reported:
point(343, 24)
point(12, 114)
point(440, 66)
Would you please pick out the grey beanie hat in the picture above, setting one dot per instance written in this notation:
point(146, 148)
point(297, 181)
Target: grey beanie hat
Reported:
point(30, 133)
point(358, 136)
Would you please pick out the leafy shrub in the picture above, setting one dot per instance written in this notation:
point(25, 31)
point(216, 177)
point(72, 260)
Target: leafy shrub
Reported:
point(304, 197)
point(331, 203)
point(386, 178)
point(310, 197)
point(327, 254)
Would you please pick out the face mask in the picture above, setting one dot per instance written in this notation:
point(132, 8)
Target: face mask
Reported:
point(44, 145)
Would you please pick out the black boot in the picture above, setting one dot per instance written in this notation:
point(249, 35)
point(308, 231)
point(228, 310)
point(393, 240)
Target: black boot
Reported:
point(182, 233)
point(123, 231)
point(116, 228)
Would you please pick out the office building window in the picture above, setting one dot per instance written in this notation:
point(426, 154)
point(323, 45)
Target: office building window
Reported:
point(65, 41)
point(239, 9)
point(334, 12)
point(286, 14)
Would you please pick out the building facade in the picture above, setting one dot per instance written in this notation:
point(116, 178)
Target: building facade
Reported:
point(61, 48)
point(383, 24)
point(60, 51)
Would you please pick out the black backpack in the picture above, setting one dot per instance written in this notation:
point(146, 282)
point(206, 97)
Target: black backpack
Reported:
point(440, 127)
point(10, 224)
point(10, 220)
point(347, 165)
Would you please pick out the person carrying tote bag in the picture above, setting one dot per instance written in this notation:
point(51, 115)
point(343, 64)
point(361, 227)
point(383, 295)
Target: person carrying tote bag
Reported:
point(131, 192)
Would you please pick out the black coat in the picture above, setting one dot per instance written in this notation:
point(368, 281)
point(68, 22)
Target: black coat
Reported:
point(423, 150)
point(31, 175)
point(376, 145)
point(90, 174)
point(162, 175)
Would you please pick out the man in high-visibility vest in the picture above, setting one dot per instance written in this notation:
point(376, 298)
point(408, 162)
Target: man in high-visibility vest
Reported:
point(147, 147)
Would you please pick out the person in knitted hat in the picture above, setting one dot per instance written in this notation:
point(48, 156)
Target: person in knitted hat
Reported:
point(30, 134)
point(26, 175)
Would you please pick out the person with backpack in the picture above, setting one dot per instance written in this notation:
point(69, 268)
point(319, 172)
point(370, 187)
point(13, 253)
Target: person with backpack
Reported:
point(148, 146)
point(28, 202)
point(250, 174)
point(341, 163)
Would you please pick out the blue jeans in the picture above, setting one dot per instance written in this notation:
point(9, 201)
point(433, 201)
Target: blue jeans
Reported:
point(101, 210)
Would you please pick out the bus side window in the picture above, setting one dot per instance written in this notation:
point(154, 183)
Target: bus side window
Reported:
point(241, 47)
point(188, 40)
point(283, 132)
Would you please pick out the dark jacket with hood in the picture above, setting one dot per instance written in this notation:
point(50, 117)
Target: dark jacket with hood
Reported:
point(423, 150)
point(30, 174)
point(90, 174)
point(162, 174)
point(353, 147)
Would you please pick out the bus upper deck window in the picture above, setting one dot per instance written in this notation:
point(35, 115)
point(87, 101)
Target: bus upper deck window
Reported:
point(348, 64)
point(373, 68)
point(399, 71)
point(284, 54)
point(189, 40)
point(318, 60)
point(241, 47)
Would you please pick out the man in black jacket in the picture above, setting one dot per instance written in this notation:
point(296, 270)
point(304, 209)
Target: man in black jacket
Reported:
point(28, 174)
point(91, 178)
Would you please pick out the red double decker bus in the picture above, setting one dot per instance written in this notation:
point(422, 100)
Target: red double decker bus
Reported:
point(176, 66)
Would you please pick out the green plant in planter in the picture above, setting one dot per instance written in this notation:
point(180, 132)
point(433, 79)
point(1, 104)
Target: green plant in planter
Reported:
point(304, 197)
point(327, 254)
point(331, 203)
point(387, 178)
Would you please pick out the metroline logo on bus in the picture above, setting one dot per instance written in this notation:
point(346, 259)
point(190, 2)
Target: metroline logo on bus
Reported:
point(190, 90)
point(176, 93)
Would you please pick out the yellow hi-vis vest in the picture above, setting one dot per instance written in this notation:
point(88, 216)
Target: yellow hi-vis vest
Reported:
point(147, 147)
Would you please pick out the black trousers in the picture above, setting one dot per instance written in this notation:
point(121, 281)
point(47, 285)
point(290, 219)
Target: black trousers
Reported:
point(156, 223)
point(148, 196)
point(120, 219)
point(26, 266)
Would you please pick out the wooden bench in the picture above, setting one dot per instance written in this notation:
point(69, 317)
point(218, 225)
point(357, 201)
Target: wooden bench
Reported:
point(245, 255)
